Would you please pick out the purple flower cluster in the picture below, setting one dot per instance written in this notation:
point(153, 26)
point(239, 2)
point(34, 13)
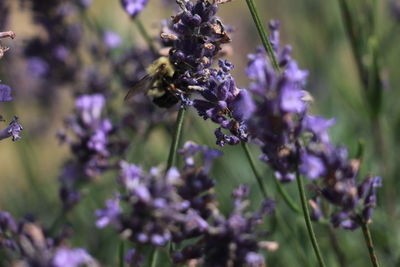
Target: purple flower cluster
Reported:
point(155, 208)
point(291, 139)
point(152, 210)
point(196, 185)
point(355, 200)
point(91, 146)
point(226, 105)
point(281, 107)
point(231, 241)
point(24, 243)
point(195, 36)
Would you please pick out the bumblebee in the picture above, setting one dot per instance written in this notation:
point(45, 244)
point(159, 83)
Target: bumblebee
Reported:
point(157, 83)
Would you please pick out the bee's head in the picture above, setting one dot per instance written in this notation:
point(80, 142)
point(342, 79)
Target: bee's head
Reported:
point(162, 66)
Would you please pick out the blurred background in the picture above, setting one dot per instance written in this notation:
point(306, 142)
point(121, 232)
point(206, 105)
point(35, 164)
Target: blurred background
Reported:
point(30, 167)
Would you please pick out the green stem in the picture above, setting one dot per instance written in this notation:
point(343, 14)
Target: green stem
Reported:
point(154, 258)
point(281, 190)
point(294, 243)
point(263, 33)
point(57, 222)
point(253, 167)
point(145, 35)
point(121, 253)
point(308, 220)
point(352, 35)
point(369, 243)
point(341, 257)
point(176, 138)
point(289, 201)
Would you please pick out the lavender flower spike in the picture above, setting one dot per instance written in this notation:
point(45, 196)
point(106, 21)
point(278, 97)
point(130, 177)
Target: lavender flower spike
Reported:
point(13, 130)
point(232, 241)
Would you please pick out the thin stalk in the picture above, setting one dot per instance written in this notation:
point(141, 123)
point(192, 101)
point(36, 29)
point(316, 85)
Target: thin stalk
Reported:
point(352, 35)
point(341, 257)
point(253, 167)
point(121, 252)
point(57, 222)
point(307, 219)
point(176, 138)
point(263, 33)
point(154, 258)
point(289, 201)
point(281, 190)
point(369, 243)
point(145, 35)
point(298, 246)
point(292, 205)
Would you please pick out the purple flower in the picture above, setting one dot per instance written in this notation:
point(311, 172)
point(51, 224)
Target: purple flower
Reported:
point(319, 126)
point(285, 130)
point(367, 192)
point(133, 7)
point(38, 67)
point(196, 36)
point(291, 99)
point(110, 214)
point(277, 122)
point(254, 259)
point(313, 167)
point(71, 257)
point(256, 69)
point(229, 241)
point(93, 143)
point(190, 149)
point(226, 105)
point(7, 222)
point(242, 106)
point(13, 130)
point(5, 93)
point(90, 108)
point(293, 73)
point(152, 211)
point(112, 39)
point(195, 180)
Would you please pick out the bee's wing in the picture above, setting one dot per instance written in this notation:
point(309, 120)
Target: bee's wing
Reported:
point(141, 86)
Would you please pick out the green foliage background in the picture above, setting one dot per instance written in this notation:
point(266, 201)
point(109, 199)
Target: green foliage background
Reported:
point(30, 167)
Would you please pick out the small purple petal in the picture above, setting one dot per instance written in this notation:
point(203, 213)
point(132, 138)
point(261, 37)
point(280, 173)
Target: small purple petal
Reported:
point(5, 93)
